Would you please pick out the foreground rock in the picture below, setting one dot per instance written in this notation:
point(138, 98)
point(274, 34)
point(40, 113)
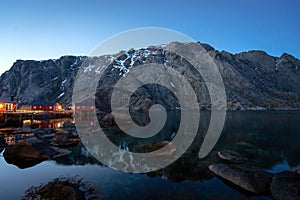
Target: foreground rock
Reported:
point(286, 185)
point(251, 180)
point(63, 188)
point(64, 138)
point(28, 153)
point(231, 156)
point(23, 155)
point(45, 135)
point(156, 146)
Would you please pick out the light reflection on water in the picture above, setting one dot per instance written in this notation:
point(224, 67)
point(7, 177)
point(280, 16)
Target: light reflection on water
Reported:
point(13, 138)
point(270, 140)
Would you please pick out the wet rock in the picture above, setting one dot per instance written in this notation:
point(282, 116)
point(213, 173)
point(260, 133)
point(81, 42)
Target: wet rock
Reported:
point(31, 152)
point(151, 147)
point(23, 155)
point(156, 146)
point(45, 135)
point(64, 138)
point(41, 146)
point(64, 188)
point(231, 156)
point(248, 179)
point(60, 153)
point(286, 185)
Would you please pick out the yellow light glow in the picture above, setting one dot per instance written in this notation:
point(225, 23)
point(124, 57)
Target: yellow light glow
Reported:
point(26, 122)
point(58, 125)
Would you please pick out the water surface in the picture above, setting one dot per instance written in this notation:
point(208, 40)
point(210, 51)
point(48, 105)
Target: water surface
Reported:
point(270, 141)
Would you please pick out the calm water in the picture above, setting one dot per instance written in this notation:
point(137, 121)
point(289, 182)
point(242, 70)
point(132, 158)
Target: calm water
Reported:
point(270, 140)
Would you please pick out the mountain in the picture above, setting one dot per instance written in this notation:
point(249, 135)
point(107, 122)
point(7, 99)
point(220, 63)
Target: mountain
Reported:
point(253, 79)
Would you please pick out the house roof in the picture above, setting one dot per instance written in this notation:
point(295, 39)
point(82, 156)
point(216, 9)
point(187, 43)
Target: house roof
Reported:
point(7, 100)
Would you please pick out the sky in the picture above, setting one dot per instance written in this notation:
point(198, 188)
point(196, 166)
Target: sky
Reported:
point(46, 29)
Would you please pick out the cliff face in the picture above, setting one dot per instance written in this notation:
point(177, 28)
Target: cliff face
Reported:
point(253, 79)
point(41, 81)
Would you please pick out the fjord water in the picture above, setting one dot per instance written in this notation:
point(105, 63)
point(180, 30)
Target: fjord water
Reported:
point(269, 139)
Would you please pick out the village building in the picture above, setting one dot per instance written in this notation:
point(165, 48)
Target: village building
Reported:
point(40, 107)
point(8, 104)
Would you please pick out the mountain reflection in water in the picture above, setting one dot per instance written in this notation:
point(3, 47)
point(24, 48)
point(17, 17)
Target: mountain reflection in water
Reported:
point(270, 140)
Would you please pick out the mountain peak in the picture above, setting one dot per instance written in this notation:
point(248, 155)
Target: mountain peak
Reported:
point(207, 47)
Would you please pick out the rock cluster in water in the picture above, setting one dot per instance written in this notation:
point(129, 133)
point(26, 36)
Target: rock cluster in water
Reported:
point(46, 144)
point(282, 186)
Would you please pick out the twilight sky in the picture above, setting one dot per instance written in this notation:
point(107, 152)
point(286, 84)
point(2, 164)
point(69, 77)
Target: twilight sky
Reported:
point(44, 29)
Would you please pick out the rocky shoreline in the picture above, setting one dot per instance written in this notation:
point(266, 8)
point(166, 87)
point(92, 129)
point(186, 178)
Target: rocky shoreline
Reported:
point(281, 186)
point(12, 119)
point(46, 144)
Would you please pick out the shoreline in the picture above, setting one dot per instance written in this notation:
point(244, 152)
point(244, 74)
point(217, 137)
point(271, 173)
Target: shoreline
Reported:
point(11, 119)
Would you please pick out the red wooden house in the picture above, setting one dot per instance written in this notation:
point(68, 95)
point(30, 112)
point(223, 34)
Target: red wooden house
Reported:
point(38, 106)
point(8, 104)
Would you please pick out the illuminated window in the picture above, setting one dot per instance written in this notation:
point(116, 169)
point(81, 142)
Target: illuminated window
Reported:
point(8, 107)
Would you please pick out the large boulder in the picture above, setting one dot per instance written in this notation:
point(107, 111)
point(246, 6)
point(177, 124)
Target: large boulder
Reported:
point(248, 179)
point(45, 137)
point(23, 155)
point(28, 153)
point(286, 185)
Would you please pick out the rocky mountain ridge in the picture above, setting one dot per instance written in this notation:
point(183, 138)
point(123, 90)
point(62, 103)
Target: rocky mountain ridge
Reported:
point(253, 80)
